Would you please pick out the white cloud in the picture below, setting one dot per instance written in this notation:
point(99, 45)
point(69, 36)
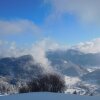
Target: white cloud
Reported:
point(18, 26)
point(3, 42)
point(10, 49)
point(37, 50)
point(89, 46)
point(85, 10)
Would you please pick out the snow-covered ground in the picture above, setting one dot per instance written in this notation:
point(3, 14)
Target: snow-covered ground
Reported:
point(91, 69)
point(71, 80)
point(71, 85)
point(75, 85)
point(48, 96)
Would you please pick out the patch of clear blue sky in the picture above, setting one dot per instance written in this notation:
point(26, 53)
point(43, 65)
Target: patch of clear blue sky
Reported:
point(24, 9)
point(66, 30)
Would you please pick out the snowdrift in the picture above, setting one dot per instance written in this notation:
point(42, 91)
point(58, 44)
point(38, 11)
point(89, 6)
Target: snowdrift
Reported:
point(47, 96)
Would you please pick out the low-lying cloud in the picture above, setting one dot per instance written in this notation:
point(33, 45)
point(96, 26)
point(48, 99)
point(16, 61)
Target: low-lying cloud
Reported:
point(92, 46)
point(10, 49)
point(38, 50)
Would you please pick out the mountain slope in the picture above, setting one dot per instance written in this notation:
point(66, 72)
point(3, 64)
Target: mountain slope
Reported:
point(76, 57)
point(64, 65)
point(16, 72)
point(92, 77)
point(21, 67)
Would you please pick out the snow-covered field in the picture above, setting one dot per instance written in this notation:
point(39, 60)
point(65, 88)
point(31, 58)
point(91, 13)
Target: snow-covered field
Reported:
point(47, 96)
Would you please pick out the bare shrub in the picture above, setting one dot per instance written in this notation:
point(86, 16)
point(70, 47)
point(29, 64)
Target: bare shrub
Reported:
point(46, 83)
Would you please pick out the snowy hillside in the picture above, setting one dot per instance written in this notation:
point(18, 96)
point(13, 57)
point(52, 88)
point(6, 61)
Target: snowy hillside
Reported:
point(75, 56)
point(17, 72)
point(47, 96)
point(76, 85)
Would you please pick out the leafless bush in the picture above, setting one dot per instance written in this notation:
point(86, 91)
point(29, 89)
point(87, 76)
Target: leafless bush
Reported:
point(46, 83)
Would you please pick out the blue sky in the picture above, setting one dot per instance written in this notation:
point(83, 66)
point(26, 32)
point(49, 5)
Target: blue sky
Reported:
point(64, 21)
